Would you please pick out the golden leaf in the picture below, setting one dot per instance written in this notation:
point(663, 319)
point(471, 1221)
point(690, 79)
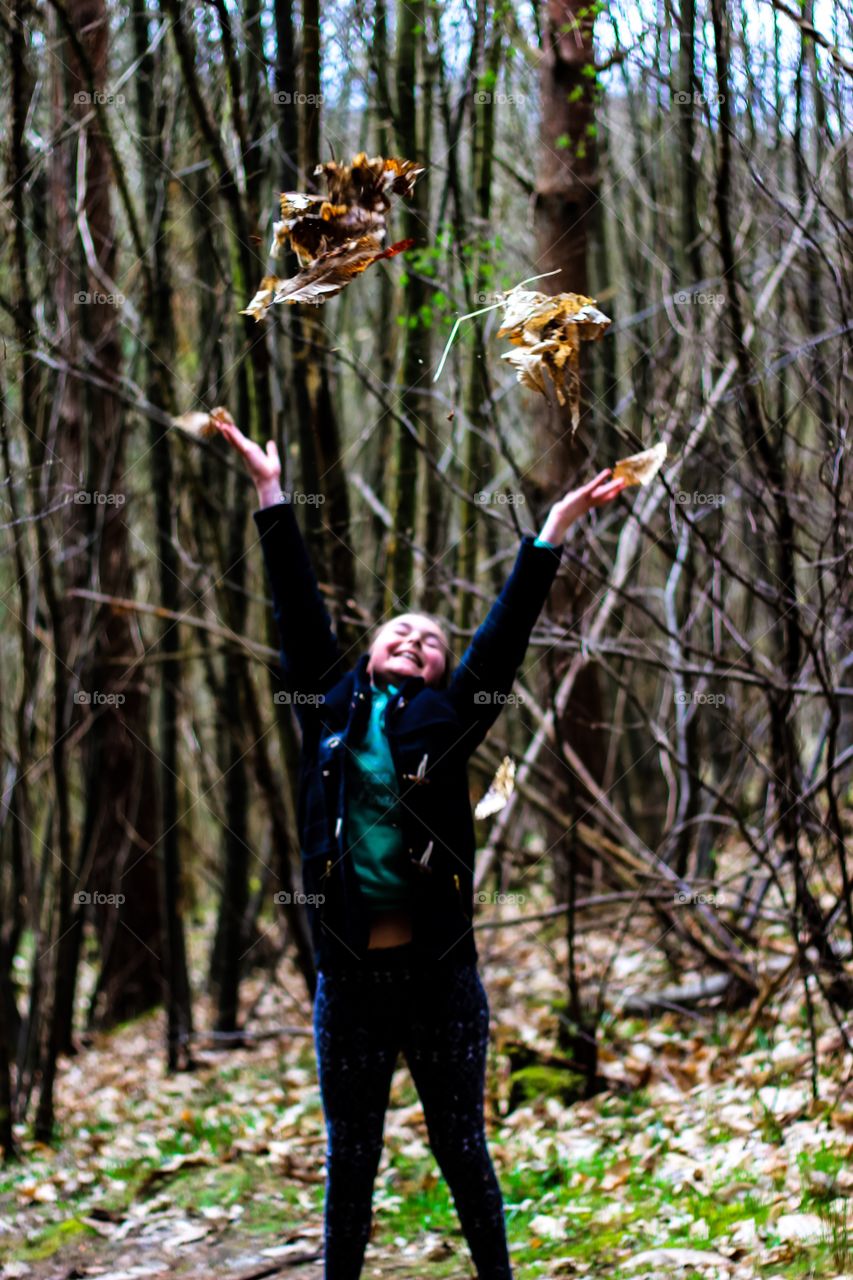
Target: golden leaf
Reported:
point(200, 424)
point(548, 331)
point(500, 790)
point(641, 468)
point(338, 235)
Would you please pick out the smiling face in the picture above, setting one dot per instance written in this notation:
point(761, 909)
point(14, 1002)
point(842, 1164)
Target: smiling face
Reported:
point(408, 645)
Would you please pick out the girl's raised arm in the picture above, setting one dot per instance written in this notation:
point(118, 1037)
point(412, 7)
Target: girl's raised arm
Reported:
point(310, 655)
point(483, 680)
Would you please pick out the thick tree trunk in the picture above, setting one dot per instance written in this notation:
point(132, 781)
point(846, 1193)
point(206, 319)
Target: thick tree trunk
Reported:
point(121, 793)
point(567, 181)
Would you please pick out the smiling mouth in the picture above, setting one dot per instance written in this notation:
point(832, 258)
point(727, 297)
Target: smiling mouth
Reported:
point(410, 657)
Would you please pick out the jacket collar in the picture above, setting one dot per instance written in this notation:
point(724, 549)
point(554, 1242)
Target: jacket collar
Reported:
point(407, 688)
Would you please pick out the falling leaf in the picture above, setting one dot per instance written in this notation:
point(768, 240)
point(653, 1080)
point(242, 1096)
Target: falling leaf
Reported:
point(548, 331)
point(641, 468)
point(336, 236)
point(200, 424)
point(322, 279)
point(500, 790)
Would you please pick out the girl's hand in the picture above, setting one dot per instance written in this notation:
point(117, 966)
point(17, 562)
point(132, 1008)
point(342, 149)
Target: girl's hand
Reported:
point(578, 503)
point(264, 466)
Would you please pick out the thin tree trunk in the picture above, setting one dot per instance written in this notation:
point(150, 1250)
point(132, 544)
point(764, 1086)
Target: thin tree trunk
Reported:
point(160, 341)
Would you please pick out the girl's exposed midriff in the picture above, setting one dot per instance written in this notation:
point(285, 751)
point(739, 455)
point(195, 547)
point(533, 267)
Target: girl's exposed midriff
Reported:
point(390, 928)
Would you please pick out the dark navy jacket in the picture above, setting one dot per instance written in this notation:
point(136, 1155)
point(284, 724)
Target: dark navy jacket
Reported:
point(431, 732)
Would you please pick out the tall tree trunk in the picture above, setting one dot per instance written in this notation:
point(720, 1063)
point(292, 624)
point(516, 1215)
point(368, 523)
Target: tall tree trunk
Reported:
point(566, 187)
point(688, 168)
point(478, 396)
point(415, 372)
point(160, 341)
point(323, 469)
point(121, 793)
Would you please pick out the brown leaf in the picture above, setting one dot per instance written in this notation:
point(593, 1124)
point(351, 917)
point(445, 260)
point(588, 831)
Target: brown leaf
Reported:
point(548, 331)
point(200, 424)
point(339, 235)
point(325, 277)
point(641, 468)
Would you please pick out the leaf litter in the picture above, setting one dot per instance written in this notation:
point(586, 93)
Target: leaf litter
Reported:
point(640, 1169)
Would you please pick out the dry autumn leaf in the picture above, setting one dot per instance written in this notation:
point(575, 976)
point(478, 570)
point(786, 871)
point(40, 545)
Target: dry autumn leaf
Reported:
point(641, 468)
point(336, 236)
point(548, 331)
point(200, 424)
point(500, 790)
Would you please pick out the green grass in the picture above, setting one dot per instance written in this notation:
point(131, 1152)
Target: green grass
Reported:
point(643, 1198)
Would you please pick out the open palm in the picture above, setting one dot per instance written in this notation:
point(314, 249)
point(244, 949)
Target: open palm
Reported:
point(263, 465)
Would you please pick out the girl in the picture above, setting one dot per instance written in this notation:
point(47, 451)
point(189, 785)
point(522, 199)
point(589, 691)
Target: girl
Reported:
point(387, 842)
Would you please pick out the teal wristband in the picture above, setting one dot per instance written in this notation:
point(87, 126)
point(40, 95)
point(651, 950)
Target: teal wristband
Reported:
point(540, 542)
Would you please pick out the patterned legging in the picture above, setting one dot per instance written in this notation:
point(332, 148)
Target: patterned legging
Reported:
point(439, 1018)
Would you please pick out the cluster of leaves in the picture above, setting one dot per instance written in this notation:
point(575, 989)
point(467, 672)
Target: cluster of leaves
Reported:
point(547, 332)
point(337, 236)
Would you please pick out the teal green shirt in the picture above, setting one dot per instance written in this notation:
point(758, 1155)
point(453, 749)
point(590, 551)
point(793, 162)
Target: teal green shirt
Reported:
point(374, 834)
